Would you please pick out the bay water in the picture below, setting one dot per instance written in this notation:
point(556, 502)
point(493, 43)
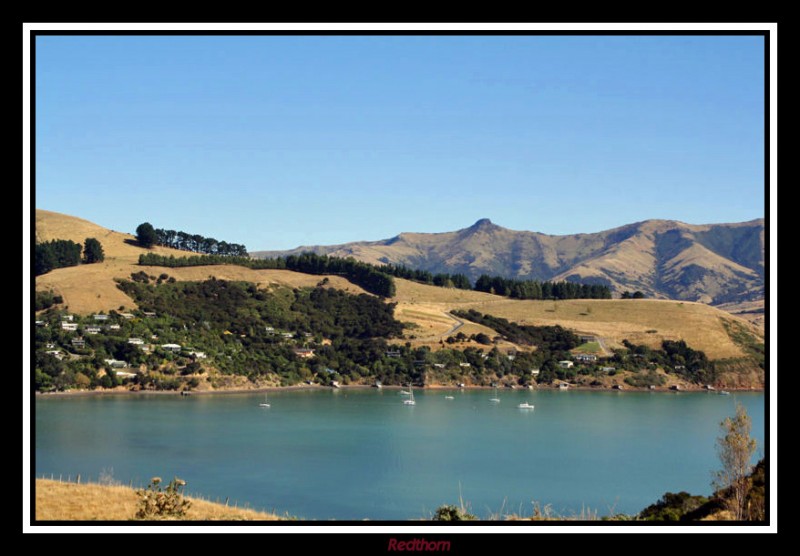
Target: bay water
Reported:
point(355, 454)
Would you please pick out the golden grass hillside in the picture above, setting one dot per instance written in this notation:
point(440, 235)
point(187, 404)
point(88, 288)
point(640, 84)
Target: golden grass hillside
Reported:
point(91, 288)
point(642, 321)
point(58, 501)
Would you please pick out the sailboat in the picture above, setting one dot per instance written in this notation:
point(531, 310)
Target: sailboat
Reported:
point(265, 403)
point(410, 401)
point(525, 405)
point(495, 399)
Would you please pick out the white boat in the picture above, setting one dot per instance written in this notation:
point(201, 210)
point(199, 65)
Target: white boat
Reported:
point(525, 405)
point(724, 393)
point(265, 402)
point(449, 398)
point(405, 393)
point(495, 399)
point(410, 401)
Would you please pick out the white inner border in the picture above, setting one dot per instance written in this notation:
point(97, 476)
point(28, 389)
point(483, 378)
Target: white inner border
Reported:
point(772, 160)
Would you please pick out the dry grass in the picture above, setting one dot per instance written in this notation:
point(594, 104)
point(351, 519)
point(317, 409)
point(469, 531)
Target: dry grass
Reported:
point(60, 501)
point(91, 288)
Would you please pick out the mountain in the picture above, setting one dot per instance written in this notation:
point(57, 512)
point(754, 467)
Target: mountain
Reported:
point(710, 263)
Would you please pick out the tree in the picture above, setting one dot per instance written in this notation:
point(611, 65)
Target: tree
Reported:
point(637, 295)
point(735, 449)
point(93, 251)
point(146, 235)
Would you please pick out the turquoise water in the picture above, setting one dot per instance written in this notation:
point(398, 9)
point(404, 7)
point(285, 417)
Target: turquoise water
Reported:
point(355, 454)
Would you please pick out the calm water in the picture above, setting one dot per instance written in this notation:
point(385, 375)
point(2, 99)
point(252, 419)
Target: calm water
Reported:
point(363, 454)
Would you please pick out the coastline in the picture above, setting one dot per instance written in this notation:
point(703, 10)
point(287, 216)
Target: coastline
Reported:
point(298, 387)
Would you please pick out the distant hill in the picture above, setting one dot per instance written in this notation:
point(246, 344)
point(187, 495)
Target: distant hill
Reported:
point(711, 263)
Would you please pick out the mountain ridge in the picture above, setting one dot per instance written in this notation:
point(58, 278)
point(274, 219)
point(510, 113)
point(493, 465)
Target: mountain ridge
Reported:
point(710, 263)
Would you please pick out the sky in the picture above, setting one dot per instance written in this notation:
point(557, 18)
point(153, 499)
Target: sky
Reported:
point(281, 141)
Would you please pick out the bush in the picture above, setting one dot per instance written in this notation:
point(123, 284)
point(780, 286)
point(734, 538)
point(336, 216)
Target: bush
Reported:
point(157, 502)
point(452, 513)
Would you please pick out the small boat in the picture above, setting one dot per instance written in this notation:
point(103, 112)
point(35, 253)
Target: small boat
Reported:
point(724, 393)
point(265, 403)
point(495, 399)
point(410, 401)
point(449, 398)
point(525, 405)
point(405, 393)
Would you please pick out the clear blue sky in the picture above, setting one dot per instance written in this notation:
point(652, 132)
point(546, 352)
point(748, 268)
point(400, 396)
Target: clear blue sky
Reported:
point(276, 142)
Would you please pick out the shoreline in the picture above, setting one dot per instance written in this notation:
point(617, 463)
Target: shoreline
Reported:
point(299, 387)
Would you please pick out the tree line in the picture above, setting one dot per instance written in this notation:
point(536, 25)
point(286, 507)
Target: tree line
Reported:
point(60, 253)
point(362, 274)
point(534, 289)
point(442, 279)
point(147, 236)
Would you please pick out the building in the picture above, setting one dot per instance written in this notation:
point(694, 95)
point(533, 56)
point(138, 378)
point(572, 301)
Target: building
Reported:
point(126, 316)
point(41, 323)
point(535, 372)
point(136, 341)
point(566, 364)
point(464, 365)
point(304, 353)
point(586, 358)
point(608, 369)
point(287, 335)
point(174, 348)
point(55, 353)
point(112, 327)
point(270, 330)
point(92, 329)
point(392, 354)
point(78, 342)
point(439, 365)
point(115, 363)
point(67, 317)
point(71, 326)
point(100, 317)
point(197, 354)
point(149, 313)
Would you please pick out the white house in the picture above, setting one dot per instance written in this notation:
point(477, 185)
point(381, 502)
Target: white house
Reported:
point(67, 317)
point(136, 341)
point(113, 327)
point(566, 364)
point(608, 369)
point(270, 330)
point(304, 353)
point(463, 364)
point(126, 316)
point(287, 335)
point(124, 374)
point(535, 372)
point(71, 326)
point(78, 342)
point(586, 358)
point(55, 353)
point(115, 363)
point(174, 348)
point(100, 317)
point(41, 323)
point(197, 354)
point(92, 329)
point(439, 365)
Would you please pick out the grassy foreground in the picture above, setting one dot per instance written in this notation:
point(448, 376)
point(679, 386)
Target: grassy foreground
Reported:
point(59, 501)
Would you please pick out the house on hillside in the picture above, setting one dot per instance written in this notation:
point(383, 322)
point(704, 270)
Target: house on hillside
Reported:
point(41, 323)
point(287, 335)
point(55, 353)
point(136, 341)
point(304, 353)
point(100, 317)
point(464, 365)
point(149, 313)
point(67, 317)
point(92, 329)
point(126, 316)
point(585, 358)
point(174, 348)
point(71, 326)
point(115, 363)
point(197, 354)
point(391, 353)
point(78, 342)
point(270, 330)
point(113, 327)
point(566, 364)
point(608, 369)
